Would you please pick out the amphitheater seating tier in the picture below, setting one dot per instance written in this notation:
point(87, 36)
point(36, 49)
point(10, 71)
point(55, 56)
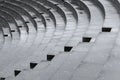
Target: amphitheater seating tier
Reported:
point(59, 39)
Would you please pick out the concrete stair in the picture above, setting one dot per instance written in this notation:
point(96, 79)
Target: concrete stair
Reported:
point(59, 39)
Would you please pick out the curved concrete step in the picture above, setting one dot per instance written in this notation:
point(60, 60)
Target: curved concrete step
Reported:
point(43, 76)
point(65, 40)
point(12, 23)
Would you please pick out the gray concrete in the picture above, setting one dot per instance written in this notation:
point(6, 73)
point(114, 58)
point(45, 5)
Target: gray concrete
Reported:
point(32, 29)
